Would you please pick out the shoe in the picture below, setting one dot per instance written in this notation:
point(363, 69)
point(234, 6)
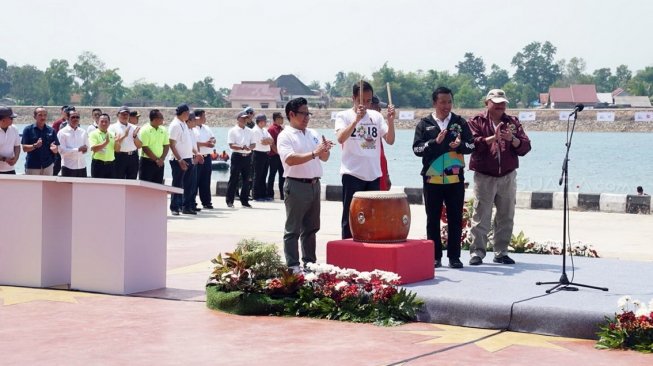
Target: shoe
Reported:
point(230, 205)
point(175, 213)
point(295, 269)
point(247, 205)
point(260, 200)
point(208, 207)
point(270, 199)
point(189, 212)
point(504, 259)
point(475, 261)
point(438, 263)
point(455, 263)
point(197, 209)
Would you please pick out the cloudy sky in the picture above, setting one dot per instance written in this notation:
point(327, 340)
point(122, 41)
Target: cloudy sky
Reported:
point(171, 41)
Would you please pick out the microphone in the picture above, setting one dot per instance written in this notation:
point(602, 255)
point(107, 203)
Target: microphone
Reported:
point(579, 107)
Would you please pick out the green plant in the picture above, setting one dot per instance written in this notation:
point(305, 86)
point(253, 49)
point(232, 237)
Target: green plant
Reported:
point(519, 243)
point(631, 329)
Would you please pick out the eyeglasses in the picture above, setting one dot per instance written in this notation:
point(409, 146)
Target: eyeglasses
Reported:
point(74, 117)
point(308, 114)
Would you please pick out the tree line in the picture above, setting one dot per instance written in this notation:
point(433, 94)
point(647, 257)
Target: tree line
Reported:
point(535, 70)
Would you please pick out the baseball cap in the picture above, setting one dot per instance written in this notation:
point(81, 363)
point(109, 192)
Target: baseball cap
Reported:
point(497, 96)
point(123, 109)
point(134, 114)
point(7, 112)
point(241, 114)
point(249, 110)
point(376, 100)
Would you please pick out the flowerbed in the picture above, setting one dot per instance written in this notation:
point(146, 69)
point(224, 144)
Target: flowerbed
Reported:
point(253, 280)
point(630, 329)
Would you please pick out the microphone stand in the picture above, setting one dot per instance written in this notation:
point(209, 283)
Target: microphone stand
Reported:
point(564, 284)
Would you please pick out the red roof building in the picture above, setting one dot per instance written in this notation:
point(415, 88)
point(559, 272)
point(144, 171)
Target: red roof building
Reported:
point(255, 94)
point(575, 94)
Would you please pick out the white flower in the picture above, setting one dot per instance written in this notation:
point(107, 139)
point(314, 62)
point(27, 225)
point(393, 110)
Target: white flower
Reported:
point(650, 304)
point(310, 277)
point(340, 285)
point(638, 304)
point(642, 311)
point(623, 302)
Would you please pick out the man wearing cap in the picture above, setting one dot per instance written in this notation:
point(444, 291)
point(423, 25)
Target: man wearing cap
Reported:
point(73, 147)
point(360, 130)
point(181, 148)
point(301, 149)
point(263, 140)
point(500, 140)
point(95, 114)
point(40, 142)
point(103, 145)
point(9, 141)
point(441, 139)
point(275, 160)
point(250, 117)
point(133, 118)
point(205, 144)
point(155, 143)
point(127, 136)
point(241, 144)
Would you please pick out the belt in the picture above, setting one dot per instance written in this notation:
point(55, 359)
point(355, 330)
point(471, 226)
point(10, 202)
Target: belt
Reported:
point(127, 152)
point(241, 154)
point(206, 155)
point(305, 180)
point(98, 161)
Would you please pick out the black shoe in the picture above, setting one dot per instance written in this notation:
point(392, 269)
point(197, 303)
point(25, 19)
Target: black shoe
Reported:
point(189, 212)
point(504, 259)
point(208, 207)
point(175, 213)
point(247, 205)
point(455, 263)
point(475, 261)
point(197, 209)
point(230, 205)
point(438, 263)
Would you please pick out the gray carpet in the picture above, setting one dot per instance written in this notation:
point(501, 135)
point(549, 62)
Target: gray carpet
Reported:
point(482, 296)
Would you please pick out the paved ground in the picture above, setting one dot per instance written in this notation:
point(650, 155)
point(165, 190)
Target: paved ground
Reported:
point(172, 326)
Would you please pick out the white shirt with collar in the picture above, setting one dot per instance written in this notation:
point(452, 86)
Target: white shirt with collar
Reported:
point(258, 135)
point(183, 137)
point(240, 137)
point(70, 140)
point(203, 134)
point(8, 140)
point(92, 128)
point(292, 140)
point(442, 124)
point(118, 130)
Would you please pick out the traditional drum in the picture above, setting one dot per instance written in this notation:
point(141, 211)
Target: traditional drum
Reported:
point(379, 217)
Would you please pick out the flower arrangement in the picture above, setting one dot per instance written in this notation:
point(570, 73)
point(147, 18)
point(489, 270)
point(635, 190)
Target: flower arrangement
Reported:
point(455, 130)
point(253, 280)
point(630, 329)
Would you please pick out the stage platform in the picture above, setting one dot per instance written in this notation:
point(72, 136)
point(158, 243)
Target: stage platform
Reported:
point(499, 296)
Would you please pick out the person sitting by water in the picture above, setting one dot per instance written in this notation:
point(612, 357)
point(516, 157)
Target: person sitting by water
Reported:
point(224, 156)
point(214, 155)
point(640, 191)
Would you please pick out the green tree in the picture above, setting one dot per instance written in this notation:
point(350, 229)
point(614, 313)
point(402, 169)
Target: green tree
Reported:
point(573, 72)
point(475, 68)
point(642, 82)
point(28, 85)
point(623, 76)
point(88, 70)
point(110, 90)
point(5, 78)
point(203, 93)
point(60, 81)
point(344, 83)
point(536, 66)
point(604, 80)
point(520, 95)
point(314, 85)
point(498, 77)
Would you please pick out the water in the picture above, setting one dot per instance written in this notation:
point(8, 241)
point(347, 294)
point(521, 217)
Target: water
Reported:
point(600, 162)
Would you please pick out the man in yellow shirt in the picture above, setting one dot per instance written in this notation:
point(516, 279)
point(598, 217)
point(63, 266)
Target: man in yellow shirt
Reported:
point(156, 142)
point(103, 145)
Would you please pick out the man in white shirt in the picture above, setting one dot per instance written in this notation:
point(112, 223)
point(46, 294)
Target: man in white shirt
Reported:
point(241, 144)
point(126, 164)
point(9, 141)
point(73, 145)
point(205, 144)
point(263, 140)
point(359, 130)
point(300, 148)
point(181, 148)
point(95, 113)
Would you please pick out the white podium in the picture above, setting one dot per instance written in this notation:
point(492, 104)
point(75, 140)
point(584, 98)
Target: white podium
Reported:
point(36, 235)
point(119, 235)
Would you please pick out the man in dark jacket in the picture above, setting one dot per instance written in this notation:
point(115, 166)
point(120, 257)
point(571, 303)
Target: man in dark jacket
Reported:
point(441, 139)
point(500, 140)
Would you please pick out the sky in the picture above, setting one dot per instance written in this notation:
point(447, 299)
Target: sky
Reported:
point(172, 41)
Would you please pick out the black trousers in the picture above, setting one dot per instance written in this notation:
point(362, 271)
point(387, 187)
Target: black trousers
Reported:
point(12, 172)
point(57, 165)
point(275, 167)
point(204, 180)
point(102, 169)
point(261, 165)
point(453, 196)
point(351, 185)
point(126, 165)
point(78, 173)
point(241, 166)
point(150, 172)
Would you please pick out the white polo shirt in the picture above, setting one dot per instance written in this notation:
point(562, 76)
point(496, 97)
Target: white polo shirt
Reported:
point(259, 134)
point(8, 140)
point(292, 140)
point(118, 130)
point(203, 134)
point(70, 140)
point(361, 152)
point(240, 137)
point(180, 132)
point(91, 128)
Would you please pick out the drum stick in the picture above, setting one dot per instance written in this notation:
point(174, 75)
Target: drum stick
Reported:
point(360, 92)
point(387, 85)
